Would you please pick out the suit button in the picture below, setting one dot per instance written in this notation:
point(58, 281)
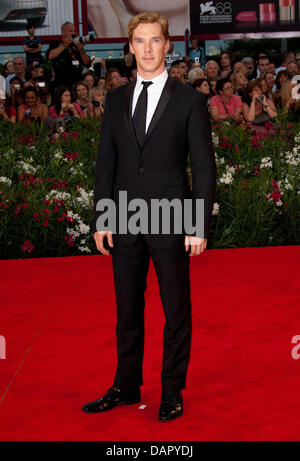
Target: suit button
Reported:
point(141, 169)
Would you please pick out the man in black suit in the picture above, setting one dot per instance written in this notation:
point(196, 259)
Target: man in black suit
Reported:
point(149, 127)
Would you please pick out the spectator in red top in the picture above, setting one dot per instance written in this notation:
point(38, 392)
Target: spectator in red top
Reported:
point(64, 108)
point(226, 105)
point(32, 110)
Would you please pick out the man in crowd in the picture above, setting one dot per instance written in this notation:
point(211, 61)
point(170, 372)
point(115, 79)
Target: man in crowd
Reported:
point(196, 52)
point(286, 58)
point(263, 63)
point(146, 156)
point(225, 60)
point(292, 68)
point(68, 58)
point(250, 66)
point(212, 70)
point(171, 56)
point(19, 68)
point(32, 46)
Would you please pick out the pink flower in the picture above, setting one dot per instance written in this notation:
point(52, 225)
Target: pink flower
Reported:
point(276, 196)
point(27, 246)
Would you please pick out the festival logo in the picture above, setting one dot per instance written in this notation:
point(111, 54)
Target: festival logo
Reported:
point(215, 12)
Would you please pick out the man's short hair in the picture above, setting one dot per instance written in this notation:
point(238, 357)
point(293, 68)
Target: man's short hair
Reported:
point(247, 59)
point(148, 17)
point(66, 24)
point(209, 62)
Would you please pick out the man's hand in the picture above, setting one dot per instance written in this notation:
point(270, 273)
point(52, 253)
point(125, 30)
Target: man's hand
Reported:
point(99, 239)
point(67, 41)
point(197, 245)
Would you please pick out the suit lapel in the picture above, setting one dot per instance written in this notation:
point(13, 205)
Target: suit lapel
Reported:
point(128, 111)
point(161, 107)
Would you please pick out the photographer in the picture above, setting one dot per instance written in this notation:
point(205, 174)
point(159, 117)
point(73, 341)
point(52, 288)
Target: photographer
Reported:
point(32, 111)
point(97, 99)
point(261, 109)
point(68, 57)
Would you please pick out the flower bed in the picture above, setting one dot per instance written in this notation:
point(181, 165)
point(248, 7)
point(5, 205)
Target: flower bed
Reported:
point(46, 189)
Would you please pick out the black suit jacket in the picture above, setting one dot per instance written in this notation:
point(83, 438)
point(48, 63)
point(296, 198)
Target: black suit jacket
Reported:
point(180, 125)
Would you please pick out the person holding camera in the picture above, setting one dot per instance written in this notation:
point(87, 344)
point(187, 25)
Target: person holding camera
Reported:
point(32, 111)
point(97, 99)
point(68, 57)
point(261, 109)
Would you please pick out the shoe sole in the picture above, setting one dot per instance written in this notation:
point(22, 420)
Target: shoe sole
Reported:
point(130, 402)
point(167, 420)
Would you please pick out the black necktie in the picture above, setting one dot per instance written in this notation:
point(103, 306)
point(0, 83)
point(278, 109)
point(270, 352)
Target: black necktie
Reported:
point(140, 114)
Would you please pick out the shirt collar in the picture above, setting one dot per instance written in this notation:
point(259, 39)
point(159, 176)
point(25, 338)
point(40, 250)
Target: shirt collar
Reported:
point(158, 80)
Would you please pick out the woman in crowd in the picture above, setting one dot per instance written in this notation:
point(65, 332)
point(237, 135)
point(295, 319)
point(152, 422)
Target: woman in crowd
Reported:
point(96, 105)
point(195, 74)
point(239, 66)
point(16, 90)
point(239, 82)
point(270, 82)
point(100, 83)
point(8, 68)
point(63, 107)
point(175, 72)
point(282, 76)
point(44, 91)
point(261, 109)
point(285, 101)
point(81, 92)
point(32, 110)
point(90, 79)
point(8, 113)
point(203, 86)
point(113, 79)
point(226, 105)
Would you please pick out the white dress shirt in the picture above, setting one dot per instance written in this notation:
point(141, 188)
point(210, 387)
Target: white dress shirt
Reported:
point(154, 94)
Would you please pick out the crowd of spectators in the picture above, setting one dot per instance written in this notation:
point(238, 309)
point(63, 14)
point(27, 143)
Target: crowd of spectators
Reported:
point(249, 90)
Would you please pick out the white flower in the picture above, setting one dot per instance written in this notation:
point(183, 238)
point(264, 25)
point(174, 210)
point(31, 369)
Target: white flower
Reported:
point(57, 195)
point(84, 249)
point(216, 209)
point(5, 180)
point(27, 167)
point(279, 203)
point(266, 162)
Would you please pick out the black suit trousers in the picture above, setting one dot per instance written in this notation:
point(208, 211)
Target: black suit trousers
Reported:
point(130, 268)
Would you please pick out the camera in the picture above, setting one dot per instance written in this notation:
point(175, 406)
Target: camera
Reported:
point(28, 112)
point(260, 98)
point(84, 39)
point(96, 103)
point(17, 86)
point(97, 61)
point(196, 60)
point(41, 84)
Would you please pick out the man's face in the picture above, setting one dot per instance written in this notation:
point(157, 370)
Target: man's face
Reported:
point(292, 68)
point(68, 30)
point(31, 31)
point(183, 68)
point(263, 65)
point(175, 73)
point(19, 65)
point(298, 61)
point(250, 67)
point(225, 60)
point(212, 70)
point(149, 47)
point(194, 43)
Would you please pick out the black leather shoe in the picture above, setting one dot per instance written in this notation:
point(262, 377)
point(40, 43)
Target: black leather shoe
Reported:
point(171, 406)
point(111, 399)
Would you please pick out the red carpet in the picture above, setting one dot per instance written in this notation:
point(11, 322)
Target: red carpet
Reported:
point(58, 318)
